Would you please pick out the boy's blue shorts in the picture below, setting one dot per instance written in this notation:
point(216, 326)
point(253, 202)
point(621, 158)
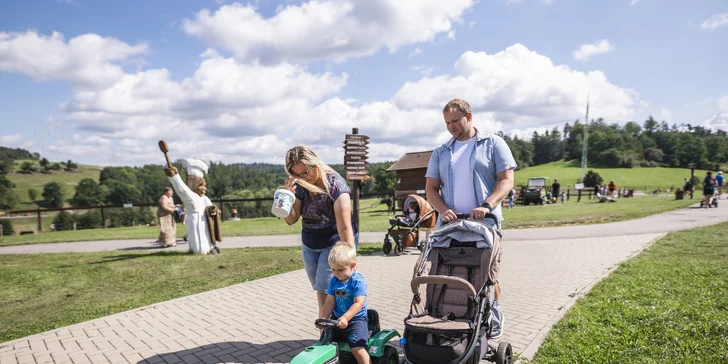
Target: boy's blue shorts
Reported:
point(356, 333)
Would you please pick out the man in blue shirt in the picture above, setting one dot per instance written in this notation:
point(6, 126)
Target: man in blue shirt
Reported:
point(470, 174)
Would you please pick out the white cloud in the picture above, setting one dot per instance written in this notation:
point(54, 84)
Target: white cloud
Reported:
point(12, 139)
point(720, 119)
point(244, 112)
point(424, 71)
point(586, 51)
point(15, 141)
point(545, 2)
point(325, 29)
point(415, 52)
point(633, 2)
point(87, 60)
point(715, 21)
point(520, 88)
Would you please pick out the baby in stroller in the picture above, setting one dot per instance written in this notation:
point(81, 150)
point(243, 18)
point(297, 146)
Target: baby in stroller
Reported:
point(404, 229)
point(413, 213)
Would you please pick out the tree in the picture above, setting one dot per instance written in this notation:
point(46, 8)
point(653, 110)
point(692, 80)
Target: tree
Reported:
point(63, 221)
point(592, 179)
point(650, 126)
point(53, 194)
point(44, 163)
point(28, 167)
point(70, 165)
point(8, 197)
point(32, 194)
point(121, 193)
point(5, 165)
point(88, 193)
point(384, 181)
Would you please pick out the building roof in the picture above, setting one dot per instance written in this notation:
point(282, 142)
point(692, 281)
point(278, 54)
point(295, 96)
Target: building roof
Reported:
point(412, 160)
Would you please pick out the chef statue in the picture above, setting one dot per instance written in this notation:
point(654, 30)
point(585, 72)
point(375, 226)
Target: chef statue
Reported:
point(202, 221)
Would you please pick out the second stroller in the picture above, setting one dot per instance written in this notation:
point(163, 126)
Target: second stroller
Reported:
point(404, 229)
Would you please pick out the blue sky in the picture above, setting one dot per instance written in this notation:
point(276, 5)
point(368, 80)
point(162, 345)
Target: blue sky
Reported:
point(276, 74)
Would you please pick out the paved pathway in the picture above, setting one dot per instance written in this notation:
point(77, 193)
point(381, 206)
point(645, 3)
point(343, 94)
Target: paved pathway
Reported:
point(270, 320)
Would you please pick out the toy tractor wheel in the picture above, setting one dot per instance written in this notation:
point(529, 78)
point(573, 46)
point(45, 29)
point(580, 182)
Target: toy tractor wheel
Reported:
point(387, 246)
point(504, 354)
point(391, 356)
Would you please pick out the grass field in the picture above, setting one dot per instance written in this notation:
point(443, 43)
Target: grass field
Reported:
point(40, 292)
point(67, 180)
point(639, 178)
point(667, 305)
point(373, 219)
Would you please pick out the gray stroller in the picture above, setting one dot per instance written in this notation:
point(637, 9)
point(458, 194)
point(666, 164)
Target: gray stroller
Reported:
point(450, 318)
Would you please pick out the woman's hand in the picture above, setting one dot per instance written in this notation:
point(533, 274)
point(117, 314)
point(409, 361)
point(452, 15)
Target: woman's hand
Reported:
point(290, 184)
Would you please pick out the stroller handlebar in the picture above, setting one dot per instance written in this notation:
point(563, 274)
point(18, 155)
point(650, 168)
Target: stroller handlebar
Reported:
point(488, 215)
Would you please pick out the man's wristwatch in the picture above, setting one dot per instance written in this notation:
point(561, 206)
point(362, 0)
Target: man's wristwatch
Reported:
point(487, 206)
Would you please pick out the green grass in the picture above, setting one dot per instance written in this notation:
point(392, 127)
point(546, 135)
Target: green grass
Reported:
point(639, 178)
point(589, 212)
point(373, 220)
point(667, 305)
point(67, 180)
point(40, 292)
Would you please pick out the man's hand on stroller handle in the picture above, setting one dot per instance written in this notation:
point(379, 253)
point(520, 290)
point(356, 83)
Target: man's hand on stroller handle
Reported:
point(449, 215)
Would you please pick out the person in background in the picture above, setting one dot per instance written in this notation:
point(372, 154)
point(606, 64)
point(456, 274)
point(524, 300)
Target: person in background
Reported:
point(167, 224)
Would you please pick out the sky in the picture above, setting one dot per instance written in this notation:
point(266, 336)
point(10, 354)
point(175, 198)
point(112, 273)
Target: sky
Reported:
point(101, 82)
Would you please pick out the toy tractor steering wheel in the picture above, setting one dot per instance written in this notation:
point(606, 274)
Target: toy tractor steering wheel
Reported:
point(323, 323)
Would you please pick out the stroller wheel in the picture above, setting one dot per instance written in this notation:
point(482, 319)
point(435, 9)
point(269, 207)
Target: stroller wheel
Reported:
point(398, 249)
point(387, 246)
point(504, 354)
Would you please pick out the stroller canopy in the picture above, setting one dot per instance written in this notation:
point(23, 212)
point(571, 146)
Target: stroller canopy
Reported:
point(424, 207)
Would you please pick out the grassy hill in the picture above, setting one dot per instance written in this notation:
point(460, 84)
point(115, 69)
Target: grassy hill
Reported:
point(639, 178)
point(36, 180)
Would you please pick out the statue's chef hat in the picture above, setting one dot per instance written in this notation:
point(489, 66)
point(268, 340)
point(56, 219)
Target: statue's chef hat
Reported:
point(195, 167)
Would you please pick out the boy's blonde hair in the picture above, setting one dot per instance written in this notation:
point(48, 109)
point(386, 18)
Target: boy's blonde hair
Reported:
point(342, 255)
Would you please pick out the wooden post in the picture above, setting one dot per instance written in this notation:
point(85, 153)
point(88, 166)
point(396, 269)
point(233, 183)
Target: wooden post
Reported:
point(578, 195)
point(74, 226)
point(1, 230)
point(568, 194)
point(357, 186)
point(40, 222)
point(103, 217)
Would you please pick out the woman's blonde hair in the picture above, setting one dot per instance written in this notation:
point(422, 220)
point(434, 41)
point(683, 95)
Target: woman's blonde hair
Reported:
point(305, 155)
point(342, 255)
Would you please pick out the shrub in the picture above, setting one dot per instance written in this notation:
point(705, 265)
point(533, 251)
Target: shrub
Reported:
point(63, 221)
point(7, 227)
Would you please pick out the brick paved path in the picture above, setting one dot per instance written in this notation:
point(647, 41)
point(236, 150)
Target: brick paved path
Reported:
point(271, 319)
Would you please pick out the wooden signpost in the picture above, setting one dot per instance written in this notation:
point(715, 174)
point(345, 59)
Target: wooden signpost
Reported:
point(356, 164)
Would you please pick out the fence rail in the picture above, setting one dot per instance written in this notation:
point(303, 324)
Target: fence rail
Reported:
point(225, 205)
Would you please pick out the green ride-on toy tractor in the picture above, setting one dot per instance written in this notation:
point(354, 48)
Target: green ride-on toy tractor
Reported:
point(327, 351)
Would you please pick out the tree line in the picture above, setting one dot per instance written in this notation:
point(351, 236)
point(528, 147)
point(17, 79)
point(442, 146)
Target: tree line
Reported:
point(652, 144)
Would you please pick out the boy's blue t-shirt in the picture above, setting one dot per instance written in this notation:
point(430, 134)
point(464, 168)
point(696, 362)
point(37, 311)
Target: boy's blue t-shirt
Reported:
point(719, 178)
point(345, 292)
